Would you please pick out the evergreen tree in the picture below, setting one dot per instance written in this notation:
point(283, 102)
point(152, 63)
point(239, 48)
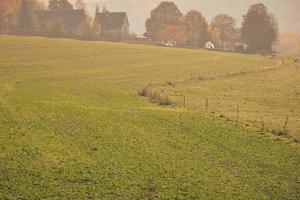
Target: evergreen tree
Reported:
point(97, 10)
point(26, 17)
point(259, 28)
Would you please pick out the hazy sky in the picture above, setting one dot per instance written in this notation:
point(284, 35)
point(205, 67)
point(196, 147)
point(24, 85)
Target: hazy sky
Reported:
point(287, 11)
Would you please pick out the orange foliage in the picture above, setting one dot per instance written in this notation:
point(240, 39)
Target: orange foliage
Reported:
point(12, 6)
point(214, 35)
point(8, 6)
point(196, 28)
point(173, 33)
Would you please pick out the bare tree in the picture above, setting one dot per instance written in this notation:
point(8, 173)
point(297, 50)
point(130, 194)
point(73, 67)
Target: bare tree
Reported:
point(26, 17)
point(80, 4)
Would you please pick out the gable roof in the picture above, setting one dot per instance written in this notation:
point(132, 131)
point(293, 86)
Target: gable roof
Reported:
point(60, 5)
point(71, 18)
point(111, 20)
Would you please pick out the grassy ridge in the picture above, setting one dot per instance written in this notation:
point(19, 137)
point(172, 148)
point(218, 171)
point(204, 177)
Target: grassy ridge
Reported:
point(72, 126)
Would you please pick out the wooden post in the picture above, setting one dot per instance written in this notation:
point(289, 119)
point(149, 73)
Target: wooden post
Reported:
point(285, 124)
point(184, 101)
point(237, 113)
point(180, 120)
point(262, 124)
point(206, 105)
point(148, 91)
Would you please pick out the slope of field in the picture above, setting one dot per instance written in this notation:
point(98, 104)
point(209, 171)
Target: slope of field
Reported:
point(73, 127)
point(265, 97)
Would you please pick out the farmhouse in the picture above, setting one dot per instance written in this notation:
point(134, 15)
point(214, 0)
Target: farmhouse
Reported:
point(112, 24)
point(68, 20)
point(60, 5)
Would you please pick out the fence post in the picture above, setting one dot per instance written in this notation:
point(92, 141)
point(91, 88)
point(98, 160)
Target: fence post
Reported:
point(285, 124)
point(262, 124)
point(206, 105)
point(237, 113)
point(184, 101)
point(180, 120)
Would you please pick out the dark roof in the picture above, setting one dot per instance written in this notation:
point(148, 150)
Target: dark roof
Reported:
point(111, 20)
point(60, 5)
point(71, 18)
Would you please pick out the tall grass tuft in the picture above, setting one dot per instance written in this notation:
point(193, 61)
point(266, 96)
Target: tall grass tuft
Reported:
point(155, 95)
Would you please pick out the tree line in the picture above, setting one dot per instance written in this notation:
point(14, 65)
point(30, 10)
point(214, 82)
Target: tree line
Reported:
point(258, 32)
point(17, 14)
point(19, 17)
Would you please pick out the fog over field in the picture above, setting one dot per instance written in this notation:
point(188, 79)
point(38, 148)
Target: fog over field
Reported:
point(287, 11)
point(204, 106)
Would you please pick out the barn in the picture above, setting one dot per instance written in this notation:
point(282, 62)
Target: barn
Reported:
point(112, 24)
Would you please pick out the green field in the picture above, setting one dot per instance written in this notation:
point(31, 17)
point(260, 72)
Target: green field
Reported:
point(73, 127)
point(267, 96)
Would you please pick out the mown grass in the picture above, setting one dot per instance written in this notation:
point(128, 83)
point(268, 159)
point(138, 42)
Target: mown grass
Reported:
point(73, 127)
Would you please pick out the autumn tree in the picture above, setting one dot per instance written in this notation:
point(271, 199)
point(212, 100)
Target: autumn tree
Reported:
point(7, 13)
point(8, 6)
point(174, 34)
point(225, 28)
point(164, 15)
point(26, 17)
point(85, 29)
point(33, 4)
point(80, 4)
point(96, 26)
point(196, 29)
point(259, 28)
point(38, 4)
point(213, 34)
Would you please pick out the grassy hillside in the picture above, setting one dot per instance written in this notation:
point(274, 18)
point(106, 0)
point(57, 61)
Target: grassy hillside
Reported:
point(73, 127)
point(265, 97)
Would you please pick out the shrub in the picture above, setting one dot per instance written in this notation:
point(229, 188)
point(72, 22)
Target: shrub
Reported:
point(143, 91)
point(279, 132)
point(154, 95)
